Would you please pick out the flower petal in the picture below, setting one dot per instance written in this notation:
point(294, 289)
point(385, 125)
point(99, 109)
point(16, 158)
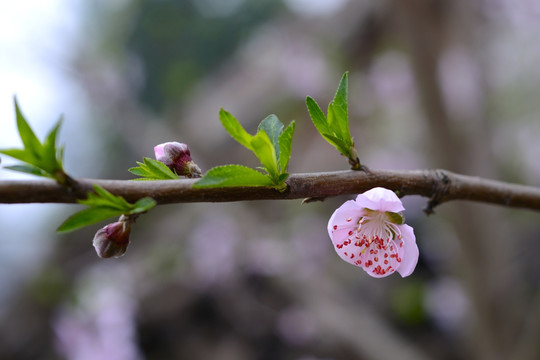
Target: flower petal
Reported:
point(342, 230)
point(408, 252)
point(159, 151)
point(345, 216)
point(349, 251)
point(379, 262)
point(380, 199)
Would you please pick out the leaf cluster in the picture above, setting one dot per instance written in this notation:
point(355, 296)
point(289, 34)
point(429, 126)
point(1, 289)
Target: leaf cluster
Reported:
point(103, 205)
point(271, 144)
point(41, 159)
point(151, 169)
point(334, 127)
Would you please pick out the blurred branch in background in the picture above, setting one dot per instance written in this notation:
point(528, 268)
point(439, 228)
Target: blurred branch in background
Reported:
point(431, 29)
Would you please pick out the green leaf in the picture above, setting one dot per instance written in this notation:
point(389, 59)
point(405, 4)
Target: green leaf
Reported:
point(88, 217)
point(60, 153)
point(267, 144)
point(28, 137)
point(338, 112)
point(334, 128)
point(46, 157)
point(95, 200)
point(113, 201)
point(143, 205)
point(340, 98)
point(282, 177)
point(52, 157)
point(264, 150)
point(153, 170)
point(139, 172)
point(339, 144)
point(102, 198)
point(285, 145)
point(273, 128)
point(235, 129)
point(317, 116)
point(338, 124)
point(27, 168)
point(232, 175)
point(18, 154)
point(103, 205)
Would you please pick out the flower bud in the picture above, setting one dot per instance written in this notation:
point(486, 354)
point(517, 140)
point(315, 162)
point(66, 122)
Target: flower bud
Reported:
point(178, 158)
point(113, 239)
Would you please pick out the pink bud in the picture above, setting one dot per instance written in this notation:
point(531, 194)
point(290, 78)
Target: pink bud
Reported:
point(113, 239)
point(178, 158)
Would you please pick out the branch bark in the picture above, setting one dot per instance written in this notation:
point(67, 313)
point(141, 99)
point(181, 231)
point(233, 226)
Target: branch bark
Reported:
point(438, 185)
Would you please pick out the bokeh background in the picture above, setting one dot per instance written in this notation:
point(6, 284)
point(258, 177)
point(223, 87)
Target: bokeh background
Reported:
point(433, 84)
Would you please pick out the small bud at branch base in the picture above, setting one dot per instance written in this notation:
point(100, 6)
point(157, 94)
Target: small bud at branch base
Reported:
point(178, 158)
point(113, 239)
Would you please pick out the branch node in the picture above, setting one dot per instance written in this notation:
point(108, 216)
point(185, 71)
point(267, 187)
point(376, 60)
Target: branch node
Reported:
point(440, 187)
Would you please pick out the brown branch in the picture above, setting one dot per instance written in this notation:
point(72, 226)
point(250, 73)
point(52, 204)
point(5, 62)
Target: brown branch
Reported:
point(438, 185)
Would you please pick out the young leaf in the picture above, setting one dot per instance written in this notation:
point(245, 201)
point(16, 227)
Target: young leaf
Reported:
point(232, 175)
point(266, 145)
point(281, 179)
point(45, 157)
point(19, 155)
point(265, 151)
point(52, 157)
point(340, 98)
point(339, 144)
point(87, 217)
point(105, 198)
point(317, 116)
point(338, 113)
point(29, 139)
point(103, 205)
point(153, 170)
point(235, 129)
point(339, 121)
point(143, 205)
point(285, 144)
point(273, 128)
point(26, 168)
point(334, 127)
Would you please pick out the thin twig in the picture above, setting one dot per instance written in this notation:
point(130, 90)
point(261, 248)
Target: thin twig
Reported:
point(438, 185)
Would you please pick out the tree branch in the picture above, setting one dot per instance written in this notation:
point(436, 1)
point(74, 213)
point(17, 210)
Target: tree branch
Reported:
point(438, 185)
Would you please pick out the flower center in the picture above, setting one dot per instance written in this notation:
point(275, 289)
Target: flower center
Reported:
point(380, 227)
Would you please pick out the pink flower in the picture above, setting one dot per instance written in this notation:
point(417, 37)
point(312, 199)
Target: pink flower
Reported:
point(113, 239)
point(178, 158)
point(369, 232)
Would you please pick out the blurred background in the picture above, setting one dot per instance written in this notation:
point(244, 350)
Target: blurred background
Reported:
point(433, 84)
